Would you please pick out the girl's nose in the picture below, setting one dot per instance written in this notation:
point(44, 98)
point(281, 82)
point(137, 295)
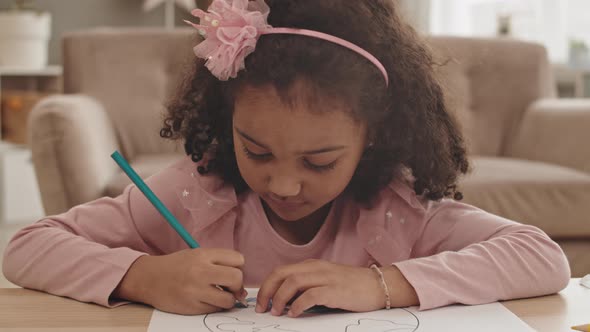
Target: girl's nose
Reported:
point(284, 186)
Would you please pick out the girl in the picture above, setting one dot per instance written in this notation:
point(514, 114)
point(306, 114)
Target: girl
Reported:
point(322, 166)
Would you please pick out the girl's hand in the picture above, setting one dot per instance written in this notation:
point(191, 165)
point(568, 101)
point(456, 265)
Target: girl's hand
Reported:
point(316, 282)
point(185, 282)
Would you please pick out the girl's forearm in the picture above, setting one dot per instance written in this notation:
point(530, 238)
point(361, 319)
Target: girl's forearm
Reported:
point(131, 286)
point(401, 292)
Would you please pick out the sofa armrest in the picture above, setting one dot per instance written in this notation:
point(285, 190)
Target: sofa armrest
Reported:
point(555, 131)
point(71, 139)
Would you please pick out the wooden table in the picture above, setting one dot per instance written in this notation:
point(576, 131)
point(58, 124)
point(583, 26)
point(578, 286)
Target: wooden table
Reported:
point(26, 310)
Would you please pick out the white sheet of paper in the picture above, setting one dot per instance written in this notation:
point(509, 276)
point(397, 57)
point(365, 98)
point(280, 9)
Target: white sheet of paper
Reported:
point(481, 318)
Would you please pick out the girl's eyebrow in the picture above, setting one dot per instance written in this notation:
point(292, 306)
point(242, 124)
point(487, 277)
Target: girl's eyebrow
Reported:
point(246, 136)
point(318, 151)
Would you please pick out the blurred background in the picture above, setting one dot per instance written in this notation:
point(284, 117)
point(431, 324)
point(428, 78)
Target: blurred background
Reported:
point(104, 66)
point(562, 26)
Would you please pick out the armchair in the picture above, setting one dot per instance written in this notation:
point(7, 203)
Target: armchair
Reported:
point(115, 84)
point(527, 148)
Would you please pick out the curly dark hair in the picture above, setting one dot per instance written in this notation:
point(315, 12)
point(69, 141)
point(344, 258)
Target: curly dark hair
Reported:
point(408, 122)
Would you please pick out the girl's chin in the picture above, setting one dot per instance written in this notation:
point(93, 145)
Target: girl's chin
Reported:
point(293, 214)
point(288, 212)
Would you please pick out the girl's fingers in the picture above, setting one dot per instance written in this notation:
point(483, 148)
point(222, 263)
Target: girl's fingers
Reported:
point(241, 295)
point(218, 298)
point(294, 285)
point(271, 285)
point(276, 278)
point(274, 281)
point(230, 278)
point(225, 257)
point(309, 298)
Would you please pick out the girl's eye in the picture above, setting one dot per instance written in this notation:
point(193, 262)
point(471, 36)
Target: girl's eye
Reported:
point(255, 156)
point(307, 163)
point(320, 168)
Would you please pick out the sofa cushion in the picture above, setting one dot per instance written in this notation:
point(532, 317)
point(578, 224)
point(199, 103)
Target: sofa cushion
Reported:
point(145, 166)
point(553, 198)
point(578, 255)
point(489, 93)
point(132, 72)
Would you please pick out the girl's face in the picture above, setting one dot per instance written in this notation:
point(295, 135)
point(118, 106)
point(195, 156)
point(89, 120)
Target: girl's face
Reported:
point(296, 159)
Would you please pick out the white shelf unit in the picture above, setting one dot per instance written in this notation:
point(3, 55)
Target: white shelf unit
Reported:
point(46, 71)
point(572, 82)
point(49, 71)
point(20, 200)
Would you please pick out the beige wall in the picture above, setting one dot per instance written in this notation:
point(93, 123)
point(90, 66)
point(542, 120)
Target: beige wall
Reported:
point(70, 15)
point(417, 13)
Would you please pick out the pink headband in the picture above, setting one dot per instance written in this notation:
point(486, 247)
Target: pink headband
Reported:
point(232, 27)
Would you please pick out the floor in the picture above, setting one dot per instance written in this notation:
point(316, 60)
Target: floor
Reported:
point(6, 232)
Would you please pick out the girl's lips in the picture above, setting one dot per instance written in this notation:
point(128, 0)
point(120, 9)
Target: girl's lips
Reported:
point(284, 204)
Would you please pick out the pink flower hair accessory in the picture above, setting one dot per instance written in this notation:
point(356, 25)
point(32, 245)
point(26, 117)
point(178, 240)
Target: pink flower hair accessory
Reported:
point(231, 29)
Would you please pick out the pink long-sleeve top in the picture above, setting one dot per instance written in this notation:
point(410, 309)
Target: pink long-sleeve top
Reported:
point(450, 252)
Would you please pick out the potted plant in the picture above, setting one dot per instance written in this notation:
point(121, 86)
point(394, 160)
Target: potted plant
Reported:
point(24, 36)
point(579, 56)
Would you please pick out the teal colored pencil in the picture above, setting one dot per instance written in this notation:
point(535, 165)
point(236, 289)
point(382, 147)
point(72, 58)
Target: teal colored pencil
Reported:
point(149, 194)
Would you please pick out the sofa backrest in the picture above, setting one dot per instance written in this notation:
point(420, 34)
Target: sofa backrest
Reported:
point(132, 72)
point(488, 82)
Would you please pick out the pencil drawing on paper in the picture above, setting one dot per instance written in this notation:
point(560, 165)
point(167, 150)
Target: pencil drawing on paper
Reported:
point(226, 323)
point(384, 325)
point(457, 318)
point(244, 320)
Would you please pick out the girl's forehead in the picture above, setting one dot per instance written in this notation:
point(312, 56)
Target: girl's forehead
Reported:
point(264, 105)
point(299, 119)
point(295, 127)
point(299, 95)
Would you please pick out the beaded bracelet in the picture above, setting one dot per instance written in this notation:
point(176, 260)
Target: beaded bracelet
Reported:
point(383, 285)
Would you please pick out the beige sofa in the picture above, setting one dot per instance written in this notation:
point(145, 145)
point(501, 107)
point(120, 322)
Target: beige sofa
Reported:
point(528, 148)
